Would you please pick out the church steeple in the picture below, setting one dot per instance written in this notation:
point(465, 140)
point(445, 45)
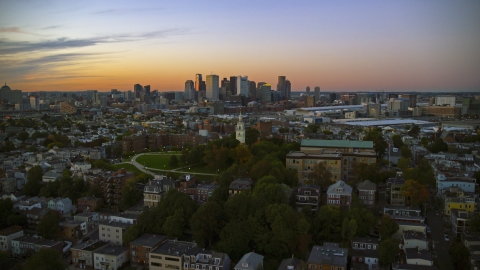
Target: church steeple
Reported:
point(240, 129)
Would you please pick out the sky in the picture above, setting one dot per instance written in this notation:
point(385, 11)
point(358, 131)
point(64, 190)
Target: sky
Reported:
point(411, 45)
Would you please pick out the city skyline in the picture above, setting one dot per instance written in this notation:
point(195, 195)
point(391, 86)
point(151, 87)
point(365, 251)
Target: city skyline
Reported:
point(339, 46)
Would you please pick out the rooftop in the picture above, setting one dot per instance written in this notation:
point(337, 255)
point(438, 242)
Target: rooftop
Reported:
point(336, 143)
point(148, 240)
point(174, 248)
point(11, 230)
point(111, 249)
point(329, 253)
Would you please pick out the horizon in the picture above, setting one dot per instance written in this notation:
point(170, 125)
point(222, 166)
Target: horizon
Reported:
point(345, 46)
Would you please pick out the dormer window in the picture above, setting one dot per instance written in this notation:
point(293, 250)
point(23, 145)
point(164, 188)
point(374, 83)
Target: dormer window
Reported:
point(245, 264)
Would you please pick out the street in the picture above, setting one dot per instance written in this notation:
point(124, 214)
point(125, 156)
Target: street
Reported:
point(436, 224)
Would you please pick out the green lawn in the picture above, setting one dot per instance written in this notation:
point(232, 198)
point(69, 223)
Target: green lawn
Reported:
point(128, 167)
point(156, 161)
point(199, 169)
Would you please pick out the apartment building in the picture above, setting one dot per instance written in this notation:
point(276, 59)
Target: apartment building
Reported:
point(394, 192)
point(169, 255)
point(352, 153)
point(364, 253)
point(27, 245)
point(155, 189)
point(141, 247)
point(110, 257)
point(112, 231)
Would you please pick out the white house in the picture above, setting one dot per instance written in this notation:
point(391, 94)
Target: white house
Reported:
point(110, 257)
point(64, 205)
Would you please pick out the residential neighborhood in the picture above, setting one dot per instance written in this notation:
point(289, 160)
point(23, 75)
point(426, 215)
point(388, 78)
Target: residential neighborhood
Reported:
point(170, 188)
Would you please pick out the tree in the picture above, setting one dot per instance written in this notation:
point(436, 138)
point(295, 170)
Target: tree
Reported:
point(424, 141)
point(414, 131)
point(327, 224)
point(379, 143)
point(403, 163)
point(364, 219)
point(207, 223)
point(406, 152)
point(251, 136)
point(48, 225)
point(34, 178)
point(173, 162)
point(130, 195)
point(387, 251)
point(438, 146)
point(460, 256)
point(45, 258)
point(23, 136)
point(416, 193)
point(321, 175)
point(349, 229)
point(473, 223)
point(397, 141)
point(312, 128)
point(174, 224)
point(388, 227)
point(269, 189)
point(132, 233)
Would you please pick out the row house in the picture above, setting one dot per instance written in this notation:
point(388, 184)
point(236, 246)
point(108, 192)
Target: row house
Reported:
point(27, 245)
point(30, 203)
point(414, 239)
point(141, 247)
point(51, 176)
point(201, 259)
point(458, 221)
point(308, 195)
point(33, 216)
point(6, 236)
point(187, 184)
point(82, 254)
point(364, 253)
point(121, 217)
point(8, 185)
point(414, 256)
point(110, 257)
point(61, 205)
point(395, 193)
point(90, 218)
point(339, 194)
point(73, 230)
point(328, 256)
point(89, 204)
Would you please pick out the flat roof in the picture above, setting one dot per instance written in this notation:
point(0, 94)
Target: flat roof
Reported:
point(11, 230)
point(388, 122)
point(336, 143)
point(148, 240)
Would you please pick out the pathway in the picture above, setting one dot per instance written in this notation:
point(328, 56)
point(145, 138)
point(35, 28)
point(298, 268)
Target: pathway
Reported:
point(143, 169)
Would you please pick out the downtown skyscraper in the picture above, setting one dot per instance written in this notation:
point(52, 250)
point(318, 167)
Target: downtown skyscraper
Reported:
point(242, 86)
point(212, 90)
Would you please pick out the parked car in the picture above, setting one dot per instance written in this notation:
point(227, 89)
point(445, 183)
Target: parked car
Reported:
point(446, 237)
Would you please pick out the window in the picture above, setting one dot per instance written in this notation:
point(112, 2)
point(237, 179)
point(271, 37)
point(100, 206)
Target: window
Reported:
point(156, 257)
point(155, 264)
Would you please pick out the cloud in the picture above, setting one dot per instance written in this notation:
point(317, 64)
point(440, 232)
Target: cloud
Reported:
point(9, 47)
point(125, 11)
point(51, 27)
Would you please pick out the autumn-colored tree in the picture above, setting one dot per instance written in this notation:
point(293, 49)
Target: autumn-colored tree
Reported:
point(241, 154)
point(416, 193)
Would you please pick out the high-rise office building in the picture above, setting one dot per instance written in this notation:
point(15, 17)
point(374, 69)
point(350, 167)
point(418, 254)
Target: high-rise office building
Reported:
point(252, 89)
point(137, 90)
point(96, 98)
point(198, 82)
point(212, 87)
point(34, 102)
point(281, 86)
point(146, 89)
point(265, 90)
point(317, 93)
point(189, 93)
point(308, 90)
point(233, 85)
point(288, 89)
point(259, 90)
point(412, 99)
point(242, 86)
